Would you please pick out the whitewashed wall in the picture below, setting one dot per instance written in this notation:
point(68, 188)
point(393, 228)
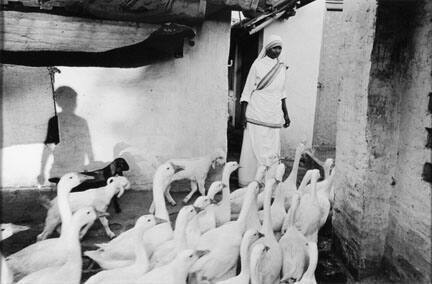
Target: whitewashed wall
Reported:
point(149, 114)
point(302, 36)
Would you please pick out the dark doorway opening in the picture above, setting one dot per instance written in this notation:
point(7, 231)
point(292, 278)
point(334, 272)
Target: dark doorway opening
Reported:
point(243, 52)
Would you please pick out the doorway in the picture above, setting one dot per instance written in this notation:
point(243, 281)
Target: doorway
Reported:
point(243, 51)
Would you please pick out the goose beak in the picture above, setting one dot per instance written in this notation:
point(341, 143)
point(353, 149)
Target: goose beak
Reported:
point(200, 253)
point(212, 201)
point(260, 235)
point(103, 214)
point(160, 220)
point(19, 228)
point(198, 209)
point(177, 168)
point(54, 179)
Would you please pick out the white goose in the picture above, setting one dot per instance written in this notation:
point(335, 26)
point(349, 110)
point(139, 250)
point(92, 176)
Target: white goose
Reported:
point(207, 217)
point(309, 275)
point(258, 252)
point(249, 238)
point(49, 252)
point(70, 271)
point(174, 272)
point(312, 210)
point(223, 208)
point(277, 208)
point(289, 186)
point(7, 230)
point(119, 252)
point(236, 197)
point(167, 251)
point(141, 265)
point(323, 186)
point(293, 246)
point(298, 195)
point(224, 245)
point(236, 200)
point(271, 264)
point(204, 221)
point(264, 172)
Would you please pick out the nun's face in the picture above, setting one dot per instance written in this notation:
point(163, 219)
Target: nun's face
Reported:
point(274, 52)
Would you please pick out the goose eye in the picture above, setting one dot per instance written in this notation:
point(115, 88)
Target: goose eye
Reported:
point(190, 256)
point(2, 229)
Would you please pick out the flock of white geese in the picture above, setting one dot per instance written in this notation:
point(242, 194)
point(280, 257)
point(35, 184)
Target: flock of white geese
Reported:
point(267, 242)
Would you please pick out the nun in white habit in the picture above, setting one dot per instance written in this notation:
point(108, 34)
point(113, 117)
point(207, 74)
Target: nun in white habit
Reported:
point(264, 110)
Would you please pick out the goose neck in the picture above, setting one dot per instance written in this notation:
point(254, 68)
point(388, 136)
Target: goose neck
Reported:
point(159, 188)
point(72, 242)
point(64, 208)
point(292, 211)
point(295, 167)
point(305, 180)
point(141, 256)
point(329, 184)
point(313, 261)
point(225, 194)
point(280, 197)
point(267, 222)
point(245, 258)
point(226, 176)
point(249, 199)
point(180, 235)
point(253, 271)
point(314, 189)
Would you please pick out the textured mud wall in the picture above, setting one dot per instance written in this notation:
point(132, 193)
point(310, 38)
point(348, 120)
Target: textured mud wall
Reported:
point(383, 207)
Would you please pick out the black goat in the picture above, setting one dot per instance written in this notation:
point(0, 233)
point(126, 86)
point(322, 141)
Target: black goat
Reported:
point(101, 176)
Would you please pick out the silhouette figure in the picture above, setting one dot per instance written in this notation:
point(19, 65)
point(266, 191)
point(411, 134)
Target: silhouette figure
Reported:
point(68, 138)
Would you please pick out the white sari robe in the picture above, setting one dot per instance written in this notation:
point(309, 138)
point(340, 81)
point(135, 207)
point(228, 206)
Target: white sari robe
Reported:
point(264, 106)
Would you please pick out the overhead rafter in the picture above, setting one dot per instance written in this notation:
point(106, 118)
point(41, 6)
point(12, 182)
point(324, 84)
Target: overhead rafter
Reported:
point(37, 39)
point(38, 32)
point(278, 9)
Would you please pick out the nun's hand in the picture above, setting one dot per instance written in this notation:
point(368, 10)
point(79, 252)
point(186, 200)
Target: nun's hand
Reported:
point(244, 123)
point(287, 121)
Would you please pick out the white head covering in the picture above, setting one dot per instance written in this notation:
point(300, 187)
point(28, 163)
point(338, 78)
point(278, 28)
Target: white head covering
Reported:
point(272, 41)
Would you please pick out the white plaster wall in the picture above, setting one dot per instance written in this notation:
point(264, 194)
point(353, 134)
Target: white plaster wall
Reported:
point(177, 108)
point(302, 36)
point(26, 106)
point(351, 143)
point(329, 81)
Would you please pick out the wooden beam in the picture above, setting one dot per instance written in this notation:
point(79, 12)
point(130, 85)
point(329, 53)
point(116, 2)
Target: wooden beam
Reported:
point(40, 31)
